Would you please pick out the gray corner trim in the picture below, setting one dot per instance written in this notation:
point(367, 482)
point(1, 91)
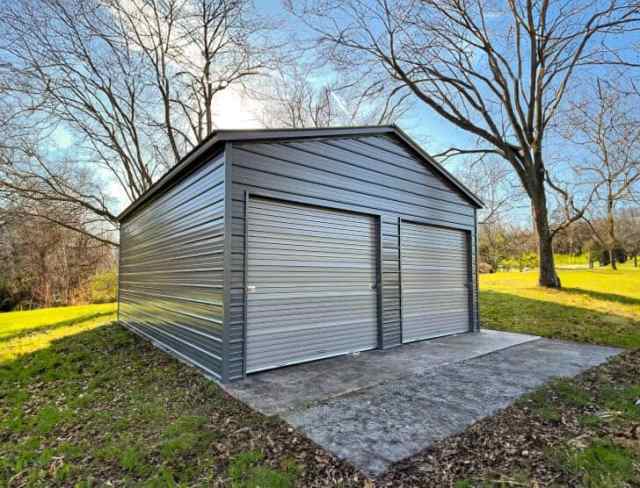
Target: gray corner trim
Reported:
point(470, 281)
point(119, 264)
point(400, 279)
point(228, 210)
point(245, 278)
point(380, 286)
point(477, 268)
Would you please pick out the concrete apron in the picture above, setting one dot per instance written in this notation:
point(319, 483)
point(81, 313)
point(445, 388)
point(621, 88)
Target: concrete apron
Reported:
point(378, 407)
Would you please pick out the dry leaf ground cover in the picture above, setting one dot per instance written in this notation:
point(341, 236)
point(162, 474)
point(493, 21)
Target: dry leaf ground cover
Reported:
point(85, 403)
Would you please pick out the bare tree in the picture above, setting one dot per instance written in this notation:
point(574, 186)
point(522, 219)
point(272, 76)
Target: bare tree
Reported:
point(195, 50)
point(492, 180)
point(299, 95)
point(629, 233)
point(497, 70)
point(133, 83)
point(605, 128)
point(53, 269)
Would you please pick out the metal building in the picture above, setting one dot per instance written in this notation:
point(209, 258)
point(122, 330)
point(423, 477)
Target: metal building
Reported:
point(264, 248)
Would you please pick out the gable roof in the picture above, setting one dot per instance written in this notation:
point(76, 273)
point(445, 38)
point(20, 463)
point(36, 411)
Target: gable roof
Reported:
point(218, 138)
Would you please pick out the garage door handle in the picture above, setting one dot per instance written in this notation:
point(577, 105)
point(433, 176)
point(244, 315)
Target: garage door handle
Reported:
point(251, 288)
point(373, 286)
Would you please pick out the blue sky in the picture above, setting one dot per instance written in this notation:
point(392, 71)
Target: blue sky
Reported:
point(427, 128)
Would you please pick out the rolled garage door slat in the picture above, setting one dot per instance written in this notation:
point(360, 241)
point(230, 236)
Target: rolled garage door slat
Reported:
point(313, 296)
point(434, 276)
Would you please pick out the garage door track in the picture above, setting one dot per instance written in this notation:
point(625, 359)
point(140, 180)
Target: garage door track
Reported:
point(378, 407)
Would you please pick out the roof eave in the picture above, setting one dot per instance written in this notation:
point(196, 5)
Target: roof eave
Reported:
point(235, 135)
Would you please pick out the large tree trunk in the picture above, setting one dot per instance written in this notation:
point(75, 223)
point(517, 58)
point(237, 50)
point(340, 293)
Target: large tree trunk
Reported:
point(612, 233)
point(548, 276)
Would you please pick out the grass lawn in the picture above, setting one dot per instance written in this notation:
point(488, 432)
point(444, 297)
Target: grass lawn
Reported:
point(25, 332)
point(85, 403)
point(595, 306)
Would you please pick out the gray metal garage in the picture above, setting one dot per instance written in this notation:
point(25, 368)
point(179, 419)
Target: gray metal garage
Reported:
point(265, 248)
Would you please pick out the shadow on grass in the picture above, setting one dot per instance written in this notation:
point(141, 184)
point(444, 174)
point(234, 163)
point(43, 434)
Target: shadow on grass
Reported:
point(504, 311)
point(54, 354)
point(56, 325)
point(608, 297)
point(153, 415)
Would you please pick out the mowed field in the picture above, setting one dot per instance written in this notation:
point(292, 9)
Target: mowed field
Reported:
point(85, 403)
point(598, 306)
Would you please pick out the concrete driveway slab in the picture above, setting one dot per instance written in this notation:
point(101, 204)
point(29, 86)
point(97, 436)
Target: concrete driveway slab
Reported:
point(390, 407)
point(299, 386)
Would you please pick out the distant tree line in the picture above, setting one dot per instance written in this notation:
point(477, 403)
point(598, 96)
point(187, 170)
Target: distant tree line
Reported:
point(136, 84)
point(503, 246)
point(44, 264)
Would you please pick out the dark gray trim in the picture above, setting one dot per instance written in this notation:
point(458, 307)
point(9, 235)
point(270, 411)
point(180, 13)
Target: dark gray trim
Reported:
point(245, 282)
point(228, 229)
point(470, 282)
point(226, 136)
point(476, 319)
point(400, 279)
point(118, 284)
point(287, 197)
point(379, 285)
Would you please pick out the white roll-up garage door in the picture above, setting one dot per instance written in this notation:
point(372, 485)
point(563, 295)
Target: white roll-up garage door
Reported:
point(435, 277)
point(311, 282)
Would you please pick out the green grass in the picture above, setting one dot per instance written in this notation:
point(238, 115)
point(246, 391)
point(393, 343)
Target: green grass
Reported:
point(25, 332)
point(597, 306)
point(246, 471)
point(16, 324)
point(602, 464)
point(571, 260)
point(83, 402)
point(582, 261)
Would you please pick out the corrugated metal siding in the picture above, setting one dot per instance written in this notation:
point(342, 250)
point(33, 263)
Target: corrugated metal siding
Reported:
point(373, 174)
point(314, 272)
point(435, 281)
point(172, 268)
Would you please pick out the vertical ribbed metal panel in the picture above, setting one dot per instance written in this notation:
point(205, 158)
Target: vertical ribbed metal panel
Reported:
point(435, 281)
point(314, 271)
point(172, 268)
